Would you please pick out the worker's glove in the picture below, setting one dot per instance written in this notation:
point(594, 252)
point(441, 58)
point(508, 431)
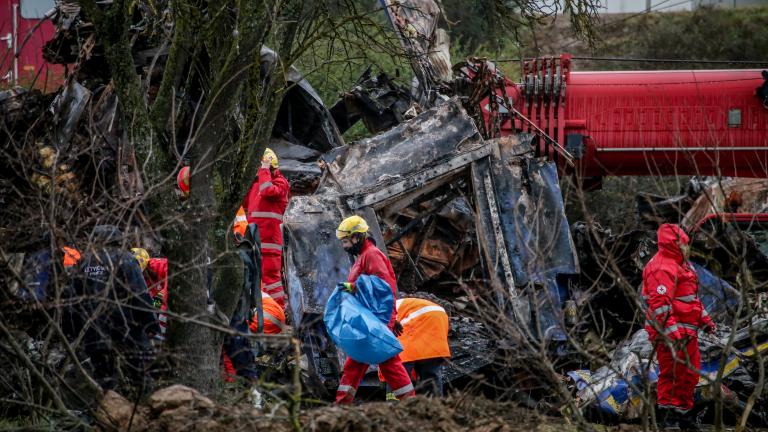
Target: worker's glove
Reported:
point(266, 162)
point(346, 286)
point(397, 329)
point(710, 327)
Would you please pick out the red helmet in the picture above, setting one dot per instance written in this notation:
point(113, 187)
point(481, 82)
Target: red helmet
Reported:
point(183, 179)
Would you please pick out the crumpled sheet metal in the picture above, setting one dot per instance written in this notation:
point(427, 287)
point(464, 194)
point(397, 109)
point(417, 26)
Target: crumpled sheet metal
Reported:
point(376, 100)
point(529, 218)
point(67, 109)
point(423, 141)
point(314, 263)
point(314, 260)
point(416, 24)
point(753, 194)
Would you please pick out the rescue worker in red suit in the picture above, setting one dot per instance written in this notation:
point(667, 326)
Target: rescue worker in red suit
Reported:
point(264, 205)
point(674, 316)
point(353, 233)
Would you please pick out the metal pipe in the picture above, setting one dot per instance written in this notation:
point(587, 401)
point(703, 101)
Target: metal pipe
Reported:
point(678, 149)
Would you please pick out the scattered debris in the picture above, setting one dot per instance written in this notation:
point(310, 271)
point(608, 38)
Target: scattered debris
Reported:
point(616, 389)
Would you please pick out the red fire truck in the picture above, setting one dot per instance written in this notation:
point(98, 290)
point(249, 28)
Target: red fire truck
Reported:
point(24, 29)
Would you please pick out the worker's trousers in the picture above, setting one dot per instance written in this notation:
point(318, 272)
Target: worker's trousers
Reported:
point(392, 369)
point(271, 277)
point(427, 375)
point(677, 380)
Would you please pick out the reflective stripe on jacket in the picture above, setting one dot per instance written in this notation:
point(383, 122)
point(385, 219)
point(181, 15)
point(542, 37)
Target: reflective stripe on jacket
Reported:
point(241, 222)
point(265, 204)
point(274, 316)
point(670, 288)
point(425, 330)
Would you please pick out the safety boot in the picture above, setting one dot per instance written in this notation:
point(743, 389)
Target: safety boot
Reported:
point(667, 419)
point(687, 422)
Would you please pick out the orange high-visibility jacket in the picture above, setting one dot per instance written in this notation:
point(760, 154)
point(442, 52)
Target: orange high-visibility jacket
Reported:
point(71, 256)
point(274, 317)
point(425, 330)
point(241, 222)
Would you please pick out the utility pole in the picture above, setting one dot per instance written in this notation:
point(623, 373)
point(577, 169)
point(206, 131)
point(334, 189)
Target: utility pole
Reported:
point(648, 6)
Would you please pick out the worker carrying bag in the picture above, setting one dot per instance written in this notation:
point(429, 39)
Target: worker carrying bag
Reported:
point(357, 323)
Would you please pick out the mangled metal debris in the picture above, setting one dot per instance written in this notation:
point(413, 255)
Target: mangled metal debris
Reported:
point(435, 164)
point(617, 389)
point(376, 100)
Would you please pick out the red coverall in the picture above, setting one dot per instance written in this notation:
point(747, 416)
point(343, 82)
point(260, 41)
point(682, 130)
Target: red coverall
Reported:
point(674, 316)
point(156, 277)
point(264, 205)
point(373, 262)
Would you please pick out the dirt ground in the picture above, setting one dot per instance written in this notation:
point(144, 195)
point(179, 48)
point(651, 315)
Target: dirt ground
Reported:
point(179, 408)
point(182, 409)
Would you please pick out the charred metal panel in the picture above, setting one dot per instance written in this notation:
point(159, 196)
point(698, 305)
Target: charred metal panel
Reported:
point(315, 261)
point(376, 100)
point(550, 249)
point(302, 119)
point(416, 24)
point(532, 215)
point(426, 141)
point(523, 232)
point(419, 181)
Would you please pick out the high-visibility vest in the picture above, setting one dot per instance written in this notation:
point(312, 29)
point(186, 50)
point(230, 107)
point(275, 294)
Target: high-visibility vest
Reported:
point(241, 222)
point(425, 330)
point(274, 316)
point(71, 256)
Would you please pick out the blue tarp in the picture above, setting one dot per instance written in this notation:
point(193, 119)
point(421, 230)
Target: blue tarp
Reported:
point(719, 298)
point(357, 323)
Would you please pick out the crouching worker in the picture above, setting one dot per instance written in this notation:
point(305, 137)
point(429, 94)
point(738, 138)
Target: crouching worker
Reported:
point(674, 316)
point(155, 271)
point(369, 260)
point(422, 329)
point(273, 323)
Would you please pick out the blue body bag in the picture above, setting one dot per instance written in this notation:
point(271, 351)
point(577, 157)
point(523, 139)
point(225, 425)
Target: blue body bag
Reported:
point(357, 323)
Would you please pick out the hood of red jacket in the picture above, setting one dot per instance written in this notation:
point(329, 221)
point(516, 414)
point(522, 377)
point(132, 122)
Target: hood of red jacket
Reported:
point(670, 237)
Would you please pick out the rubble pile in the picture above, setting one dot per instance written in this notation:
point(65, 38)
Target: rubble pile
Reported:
point(180, 408)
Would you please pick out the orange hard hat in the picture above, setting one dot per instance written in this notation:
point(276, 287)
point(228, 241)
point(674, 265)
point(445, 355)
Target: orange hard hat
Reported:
point(183, 179)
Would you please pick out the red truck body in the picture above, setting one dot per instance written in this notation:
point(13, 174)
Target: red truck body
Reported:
point(689, 122)
point(24, 29)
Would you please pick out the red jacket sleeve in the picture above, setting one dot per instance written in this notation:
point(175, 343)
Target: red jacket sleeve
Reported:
point(247, 197)
point(356, 270)
point(706, 320)
point(272, 186)
point(660, 290)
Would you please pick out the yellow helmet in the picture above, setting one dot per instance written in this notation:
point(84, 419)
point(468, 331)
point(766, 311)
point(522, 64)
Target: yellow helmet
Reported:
point(270, 156)
point(351, 225)
point(142, 256)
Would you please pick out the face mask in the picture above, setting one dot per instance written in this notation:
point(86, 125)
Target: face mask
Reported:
point(686, 250)
point(357, 246)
